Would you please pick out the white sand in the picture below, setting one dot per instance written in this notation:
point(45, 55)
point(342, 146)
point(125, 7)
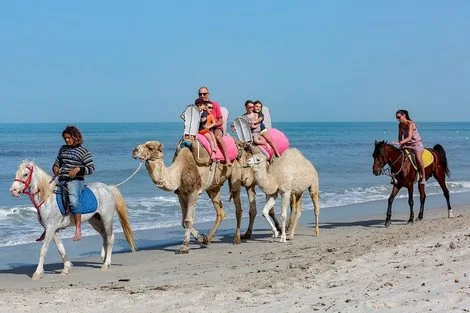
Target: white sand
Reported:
point(352, 267)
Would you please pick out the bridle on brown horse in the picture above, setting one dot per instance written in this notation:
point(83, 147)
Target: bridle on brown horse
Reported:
point(388, 171)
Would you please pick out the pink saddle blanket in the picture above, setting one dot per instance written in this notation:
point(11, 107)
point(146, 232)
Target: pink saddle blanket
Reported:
point(279, 139)
point(232, 151)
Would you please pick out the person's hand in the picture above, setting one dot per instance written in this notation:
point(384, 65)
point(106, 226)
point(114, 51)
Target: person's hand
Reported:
point(73, 172)
point(55, 169)
point(395, 143)
point(232, 127)
point(182, 116)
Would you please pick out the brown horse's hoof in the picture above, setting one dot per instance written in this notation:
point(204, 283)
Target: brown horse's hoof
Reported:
point(388, 223)
point(246, 236)
point(410, 221)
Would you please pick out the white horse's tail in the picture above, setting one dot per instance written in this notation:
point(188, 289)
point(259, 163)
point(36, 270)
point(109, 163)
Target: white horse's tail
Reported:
point(123, 217)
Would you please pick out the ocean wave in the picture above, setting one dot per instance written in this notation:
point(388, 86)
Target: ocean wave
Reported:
point(18, 224)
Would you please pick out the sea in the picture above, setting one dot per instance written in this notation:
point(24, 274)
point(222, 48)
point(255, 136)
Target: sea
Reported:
point(341, 152)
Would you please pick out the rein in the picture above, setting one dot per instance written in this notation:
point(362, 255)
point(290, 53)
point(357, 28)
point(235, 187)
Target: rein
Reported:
point(388, 171)
point(135, 172)
point(27, 190)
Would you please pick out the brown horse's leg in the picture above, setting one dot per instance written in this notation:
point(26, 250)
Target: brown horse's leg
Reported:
point(442, 182)
point(422, 199)
point(411, 201)
point(388, 219)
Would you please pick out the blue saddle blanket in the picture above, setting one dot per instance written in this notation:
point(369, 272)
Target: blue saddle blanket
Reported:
point(88, 202)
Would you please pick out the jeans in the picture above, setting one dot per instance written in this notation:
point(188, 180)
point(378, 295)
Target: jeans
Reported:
point(75, 188)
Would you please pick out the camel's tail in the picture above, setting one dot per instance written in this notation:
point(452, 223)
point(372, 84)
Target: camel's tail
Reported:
point(442, 153)
point(123, 217)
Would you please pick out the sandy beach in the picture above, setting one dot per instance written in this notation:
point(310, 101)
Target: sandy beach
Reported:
point(355, 265)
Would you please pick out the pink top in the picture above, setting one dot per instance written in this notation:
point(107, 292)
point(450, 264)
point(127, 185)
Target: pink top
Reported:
point(414, 138)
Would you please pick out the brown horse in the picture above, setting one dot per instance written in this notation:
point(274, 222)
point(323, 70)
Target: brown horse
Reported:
point(404, 175)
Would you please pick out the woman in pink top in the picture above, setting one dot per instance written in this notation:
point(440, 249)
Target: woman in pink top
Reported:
point(409, 137)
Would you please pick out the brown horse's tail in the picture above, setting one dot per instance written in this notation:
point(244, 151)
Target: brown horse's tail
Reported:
point(442, 153)
point(123, 217)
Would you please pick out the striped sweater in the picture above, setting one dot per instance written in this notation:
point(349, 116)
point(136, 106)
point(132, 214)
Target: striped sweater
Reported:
point(70, 157)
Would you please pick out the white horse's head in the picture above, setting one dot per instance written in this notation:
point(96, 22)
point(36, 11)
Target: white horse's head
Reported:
point(30, 179)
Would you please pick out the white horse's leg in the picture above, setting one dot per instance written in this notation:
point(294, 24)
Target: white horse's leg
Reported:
point(42, 255)
point(60, 247)
point(270, 201)
point(285, 204)
point(109, 248)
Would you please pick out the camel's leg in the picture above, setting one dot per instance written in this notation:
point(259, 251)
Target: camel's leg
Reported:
point(42, 255)
point(296, 209)
point(184, 211)
point(316, 206)
point(214, 194)
point(270, 201)
point(293, 203)
point(63, 255)
point(189, 219)
point(285, 204)
point(388, 219)
point(234, 187)
point(272, 214)
point(252, 200)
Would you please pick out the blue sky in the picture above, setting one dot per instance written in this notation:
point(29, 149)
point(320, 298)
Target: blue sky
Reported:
point(143, 61)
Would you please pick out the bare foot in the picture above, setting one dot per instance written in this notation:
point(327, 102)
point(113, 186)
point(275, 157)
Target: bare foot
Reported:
point(78, 235)
point(228, 163)
point(41, 238)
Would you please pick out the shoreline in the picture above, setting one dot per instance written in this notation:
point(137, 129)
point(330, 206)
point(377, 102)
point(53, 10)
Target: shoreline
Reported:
point(26, 255)
point(355, 265)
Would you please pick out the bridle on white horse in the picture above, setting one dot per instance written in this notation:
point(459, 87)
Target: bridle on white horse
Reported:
point(27, 191)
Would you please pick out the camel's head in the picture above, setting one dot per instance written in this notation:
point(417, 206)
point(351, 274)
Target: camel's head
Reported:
point(149, 151)
point(256, 160)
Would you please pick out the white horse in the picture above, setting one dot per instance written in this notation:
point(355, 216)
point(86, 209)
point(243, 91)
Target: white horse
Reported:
point(31, 180)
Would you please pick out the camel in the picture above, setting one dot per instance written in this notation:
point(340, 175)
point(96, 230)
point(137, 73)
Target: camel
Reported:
point(291, 174)
point(188, 177)
point(248, 181)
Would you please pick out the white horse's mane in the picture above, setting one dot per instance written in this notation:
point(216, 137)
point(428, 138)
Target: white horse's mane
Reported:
point(44, 184)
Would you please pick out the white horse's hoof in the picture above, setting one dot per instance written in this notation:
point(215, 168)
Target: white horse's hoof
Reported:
point(105, 267)
point(283, 238)
point(275, 234)
point(37, 275)
point(450, 215)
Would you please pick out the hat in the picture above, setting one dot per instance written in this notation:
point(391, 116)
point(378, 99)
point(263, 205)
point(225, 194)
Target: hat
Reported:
point(199, 101)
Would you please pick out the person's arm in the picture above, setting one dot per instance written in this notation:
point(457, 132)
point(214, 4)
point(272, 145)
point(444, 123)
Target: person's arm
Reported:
point(87, 168)
point(57, 163)
point(259, 119)
point(408, 137)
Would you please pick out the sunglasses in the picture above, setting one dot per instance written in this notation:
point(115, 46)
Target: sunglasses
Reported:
point(398, 117)
point(203, 93)
point(250, 107)
point(210, 108)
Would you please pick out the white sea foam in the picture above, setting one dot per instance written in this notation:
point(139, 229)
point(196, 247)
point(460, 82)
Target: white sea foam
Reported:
point(19, 225)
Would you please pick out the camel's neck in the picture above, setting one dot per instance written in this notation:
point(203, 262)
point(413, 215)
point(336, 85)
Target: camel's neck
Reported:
point(165, 178)
point(265, 180)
